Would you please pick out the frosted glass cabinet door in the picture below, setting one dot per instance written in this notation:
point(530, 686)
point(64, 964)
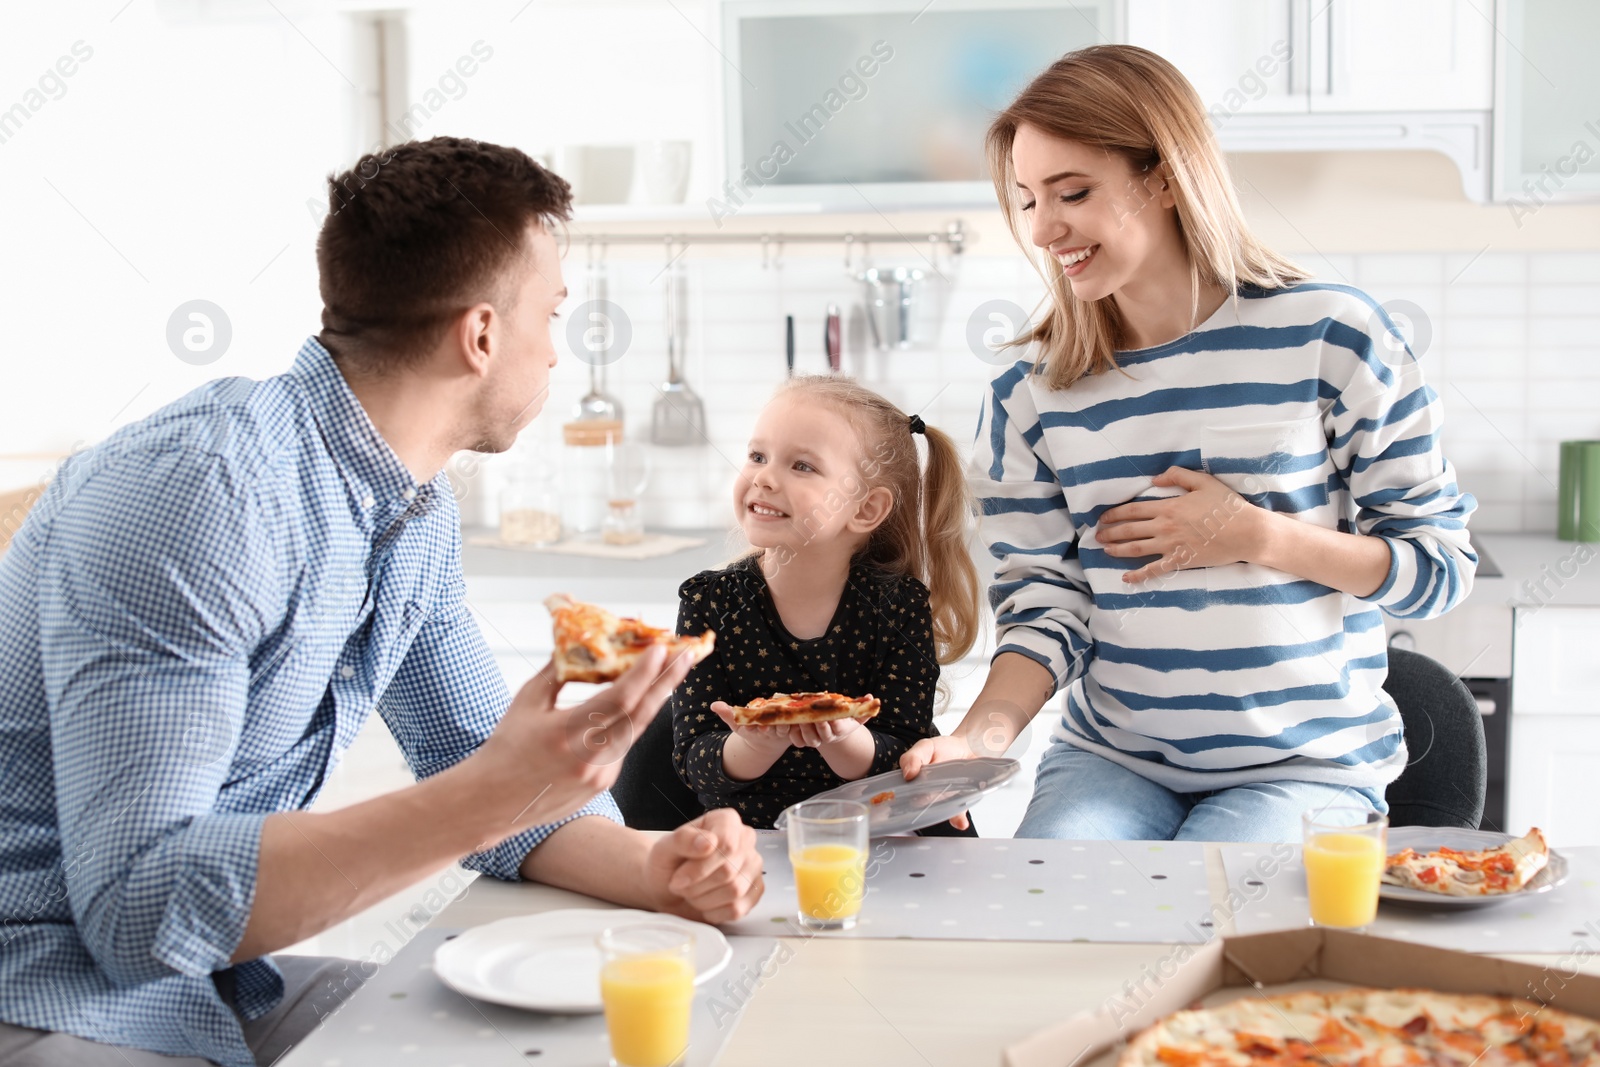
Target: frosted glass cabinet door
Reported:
point(1420, 55)
point(1240, 54)
point(1547, 110)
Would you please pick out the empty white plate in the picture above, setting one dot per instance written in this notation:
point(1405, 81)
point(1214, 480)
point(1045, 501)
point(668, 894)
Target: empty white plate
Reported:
point(549, 961)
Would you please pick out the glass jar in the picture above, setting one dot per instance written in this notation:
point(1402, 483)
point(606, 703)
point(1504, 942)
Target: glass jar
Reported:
point(530, 506)
point(622, 525)
point(586, 472)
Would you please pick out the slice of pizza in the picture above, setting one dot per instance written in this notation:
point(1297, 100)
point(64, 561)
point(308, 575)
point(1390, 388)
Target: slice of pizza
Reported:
point(1480, 872)
point(593, 645)
point(795, 709)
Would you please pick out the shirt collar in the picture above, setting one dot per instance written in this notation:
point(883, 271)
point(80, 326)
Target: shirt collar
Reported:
point(376, 478)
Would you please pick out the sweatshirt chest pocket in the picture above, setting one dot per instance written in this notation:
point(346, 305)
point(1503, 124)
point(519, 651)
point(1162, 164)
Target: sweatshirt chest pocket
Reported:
point(1280, 466)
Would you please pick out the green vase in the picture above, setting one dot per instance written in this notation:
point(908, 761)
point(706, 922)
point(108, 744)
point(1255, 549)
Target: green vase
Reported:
point(1579, 519)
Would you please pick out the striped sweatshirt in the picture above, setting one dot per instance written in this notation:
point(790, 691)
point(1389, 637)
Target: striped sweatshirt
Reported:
point(1305, 401)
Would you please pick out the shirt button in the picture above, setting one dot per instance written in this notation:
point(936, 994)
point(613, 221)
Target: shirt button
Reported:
point(347, 672)
point(409, 494)
point(367, 501)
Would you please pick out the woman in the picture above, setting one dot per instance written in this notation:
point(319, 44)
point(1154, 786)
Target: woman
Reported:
point(1202, 489)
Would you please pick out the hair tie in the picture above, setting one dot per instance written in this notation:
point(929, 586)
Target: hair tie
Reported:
point(917, 425)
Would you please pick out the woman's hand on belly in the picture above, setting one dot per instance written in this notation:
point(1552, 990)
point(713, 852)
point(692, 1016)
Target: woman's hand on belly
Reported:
point(1208, 525)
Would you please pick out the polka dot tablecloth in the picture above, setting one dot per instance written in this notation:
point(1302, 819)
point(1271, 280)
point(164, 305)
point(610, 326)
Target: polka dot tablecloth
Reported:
point(405, 1015)
point(1009, 890)
point(1272, 896)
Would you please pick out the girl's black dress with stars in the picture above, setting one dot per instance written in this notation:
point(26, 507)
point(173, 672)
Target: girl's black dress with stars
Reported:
point(880, 641)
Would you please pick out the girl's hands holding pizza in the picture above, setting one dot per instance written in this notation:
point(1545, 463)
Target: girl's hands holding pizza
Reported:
point(773, 739)
point(817, 734)
point(1208, 526)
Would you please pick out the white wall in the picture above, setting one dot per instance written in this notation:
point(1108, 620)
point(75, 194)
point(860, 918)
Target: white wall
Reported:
point(180, 158)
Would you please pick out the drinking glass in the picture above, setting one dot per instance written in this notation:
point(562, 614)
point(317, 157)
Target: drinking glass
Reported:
point(828, 850)
point(1344, 851)
point(647, 987)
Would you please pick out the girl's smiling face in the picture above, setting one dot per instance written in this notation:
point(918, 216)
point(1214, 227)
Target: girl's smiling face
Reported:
point(802, 479)
point(1104, 223)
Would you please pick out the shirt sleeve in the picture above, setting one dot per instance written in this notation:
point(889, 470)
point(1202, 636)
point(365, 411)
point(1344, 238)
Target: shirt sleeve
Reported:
point(908, 675)
point(156, 581)
point(1040, 594)
point(1384, 429)
point(446, 699)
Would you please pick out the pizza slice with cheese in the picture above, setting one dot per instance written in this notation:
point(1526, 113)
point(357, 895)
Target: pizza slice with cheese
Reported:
point(795, 709)
point(593, 645)
point(1480, 872)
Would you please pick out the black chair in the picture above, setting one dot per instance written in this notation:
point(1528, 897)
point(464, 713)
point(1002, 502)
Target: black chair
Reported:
point(648, 789)
point(1447, 774)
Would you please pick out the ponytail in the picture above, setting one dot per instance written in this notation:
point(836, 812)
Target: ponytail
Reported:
point(952, 579)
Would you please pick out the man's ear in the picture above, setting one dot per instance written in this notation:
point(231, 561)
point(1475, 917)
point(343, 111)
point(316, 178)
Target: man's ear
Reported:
point(872, 510)
point(473, 337)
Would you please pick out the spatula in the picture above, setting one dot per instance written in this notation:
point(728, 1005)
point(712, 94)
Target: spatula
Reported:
point(678, 416)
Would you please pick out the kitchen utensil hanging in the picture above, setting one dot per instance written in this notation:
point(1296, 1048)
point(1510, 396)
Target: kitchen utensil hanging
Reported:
point(678, 416)
point(891, 294)
point(597, 403)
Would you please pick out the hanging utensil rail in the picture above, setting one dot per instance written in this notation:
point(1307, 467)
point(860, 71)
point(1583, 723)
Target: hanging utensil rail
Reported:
point(954, 235)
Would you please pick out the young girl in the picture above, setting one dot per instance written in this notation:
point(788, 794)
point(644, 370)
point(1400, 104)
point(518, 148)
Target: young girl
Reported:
point(859, 582)
point(1202, 490)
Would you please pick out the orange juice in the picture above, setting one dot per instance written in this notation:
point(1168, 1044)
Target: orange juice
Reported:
point(1342, 874)
point(647, 1001)
point(830, 880)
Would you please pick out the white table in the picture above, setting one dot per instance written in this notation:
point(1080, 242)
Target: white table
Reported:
point(891, 1002)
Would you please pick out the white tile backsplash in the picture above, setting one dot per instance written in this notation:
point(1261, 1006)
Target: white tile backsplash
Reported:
point(1514, 352)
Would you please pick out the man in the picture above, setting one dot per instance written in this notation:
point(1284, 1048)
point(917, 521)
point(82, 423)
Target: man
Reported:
point(201, 612)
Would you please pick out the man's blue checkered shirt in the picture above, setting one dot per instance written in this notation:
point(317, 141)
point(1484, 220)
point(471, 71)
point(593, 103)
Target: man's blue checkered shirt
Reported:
point(195, 620)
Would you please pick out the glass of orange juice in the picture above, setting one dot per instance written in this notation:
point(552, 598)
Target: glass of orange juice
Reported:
point(1344, 850)
point(647, 987)
point(828, 850)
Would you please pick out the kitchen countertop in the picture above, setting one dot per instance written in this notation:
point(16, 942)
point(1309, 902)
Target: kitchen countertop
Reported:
point(520, 574)
point(1537, 570)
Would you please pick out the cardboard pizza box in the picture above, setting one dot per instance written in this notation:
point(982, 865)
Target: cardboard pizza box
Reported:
point(1287, 961)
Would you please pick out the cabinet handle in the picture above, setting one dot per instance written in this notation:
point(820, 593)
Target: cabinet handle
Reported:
point(1327, 13)
point(1486, 706)
point(1289, 66)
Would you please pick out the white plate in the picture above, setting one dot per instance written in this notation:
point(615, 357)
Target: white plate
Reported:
point(549, 961)
point(1428, 838)
point(940, 792)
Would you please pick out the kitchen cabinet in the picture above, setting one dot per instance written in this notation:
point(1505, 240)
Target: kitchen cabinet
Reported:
point(1239, 54)
point(1555, 724)
point(1546, 128)
point(1308, 56)
point(1555, 763)
point(1335, 75)
point(1422, 55)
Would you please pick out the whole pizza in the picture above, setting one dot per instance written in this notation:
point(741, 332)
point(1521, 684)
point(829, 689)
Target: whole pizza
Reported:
point(795, 709)
point(1368, 1028)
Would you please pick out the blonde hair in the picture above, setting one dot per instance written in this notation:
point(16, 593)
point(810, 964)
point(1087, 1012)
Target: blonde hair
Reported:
point(1131, 102)
point(925, 533)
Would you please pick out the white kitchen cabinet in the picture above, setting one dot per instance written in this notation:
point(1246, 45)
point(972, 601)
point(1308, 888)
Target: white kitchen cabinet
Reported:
point(1238, 54)
point(1555, 724)
point(1555, 765)
point(1254, 57)
point(1422, 55)
point(1556, 657)
point(1546, 126)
